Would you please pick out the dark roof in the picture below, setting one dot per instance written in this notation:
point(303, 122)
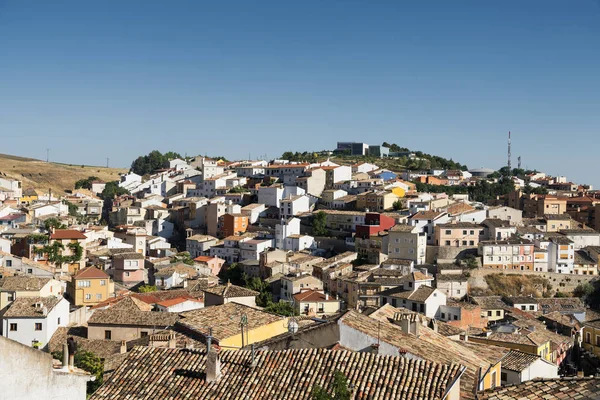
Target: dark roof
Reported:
point(225, 319)
point(564, 304)
point(181, 269)
point(151, 373)
point(130, 316)
point(497, 223)
point(520, 300)
point(22, 283)
point(24, 307)
point(489, 302)
point(541, 389)
point(518, 361)
point(229, 290)
point(420, 295)
point(128, 256)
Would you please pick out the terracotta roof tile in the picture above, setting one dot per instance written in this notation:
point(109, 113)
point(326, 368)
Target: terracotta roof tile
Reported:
point(229, 290)
point(61, 234)
point(151, 373)
point(24, 307)
point(22, 283)
point(542, 389)
point(91, 273)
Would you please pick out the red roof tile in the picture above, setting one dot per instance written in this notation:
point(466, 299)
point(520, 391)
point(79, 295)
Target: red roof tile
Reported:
point(61, 234)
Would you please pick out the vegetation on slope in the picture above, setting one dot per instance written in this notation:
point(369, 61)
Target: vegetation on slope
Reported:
point(518, 285)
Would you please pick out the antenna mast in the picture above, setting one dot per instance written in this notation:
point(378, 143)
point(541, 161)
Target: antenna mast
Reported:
point(509, 156)
point(519, 162)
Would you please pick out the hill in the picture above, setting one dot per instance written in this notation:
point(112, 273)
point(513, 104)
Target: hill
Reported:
point(41, 175)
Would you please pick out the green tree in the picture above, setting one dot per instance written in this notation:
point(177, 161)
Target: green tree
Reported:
point(265, 296)
point(319, 224)
point(89, 362)
point(341, 391)
point(112, 189)
point(232, 273)
point(584, 291)
point(147, 289)
point(53, 223)
point(53, 252)
point(182, 257)
point(85, 183)
point(281, 308)
point(397, 205)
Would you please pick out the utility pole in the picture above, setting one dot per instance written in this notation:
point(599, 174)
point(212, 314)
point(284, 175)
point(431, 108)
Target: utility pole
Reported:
point(47, 155)
point(107, 160)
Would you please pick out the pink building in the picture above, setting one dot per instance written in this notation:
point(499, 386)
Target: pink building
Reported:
point(214, 263)
point(129, 268)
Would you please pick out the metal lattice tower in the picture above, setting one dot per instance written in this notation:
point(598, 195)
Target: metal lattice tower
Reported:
point(519, 162)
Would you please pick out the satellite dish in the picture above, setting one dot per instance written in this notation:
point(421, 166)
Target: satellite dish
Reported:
point(292, 326)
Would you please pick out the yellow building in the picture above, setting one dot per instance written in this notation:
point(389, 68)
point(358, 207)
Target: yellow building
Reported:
point(378, 201)
point(531, 343)
point(227, 322)
point(29, 196)
point(591, 337)
point(89, 287)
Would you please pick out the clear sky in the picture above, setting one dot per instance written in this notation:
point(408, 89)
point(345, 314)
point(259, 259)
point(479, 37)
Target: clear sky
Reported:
point(97, 79)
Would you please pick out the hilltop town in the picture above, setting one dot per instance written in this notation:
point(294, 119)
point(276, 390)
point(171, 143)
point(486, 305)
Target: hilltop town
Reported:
point(359, 272)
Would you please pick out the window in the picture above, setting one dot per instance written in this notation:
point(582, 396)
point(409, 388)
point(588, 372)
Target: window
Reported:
point(107, 335)
point(448, 232)
point(503, 376)
point(531, 308)
point(13, 327)
point(38, 326)
point(126, 273)
point(88, 296)
point(422, 308)
point(489, 313)
point(447, 243)
point(143, 333)
point(410, 284)
point(83, 283)
point(464, 242)
point(471, 243)
point(464, 232)
point(458, 291)
point(393, 302)
point(98, 296)
point(597, 340)
point(494, 377)
point(523, 308)
point(321, 308)
point(497, 313)
point(11, 297)
point(471, 232)
point(588, 336)
point(58, 321)
point(30, 270)
point(102, 282)
point(443, 315)
point(456, 318)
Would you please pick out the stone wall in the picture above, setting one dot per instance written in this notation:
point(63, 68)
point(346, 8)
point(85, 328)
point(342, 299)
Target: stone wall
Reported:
point(447, 254)
point(560, 282)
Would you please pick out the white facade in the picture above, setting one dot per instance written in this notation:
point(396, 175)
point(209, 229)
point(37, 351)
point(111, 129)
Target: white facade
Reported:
point(27, 330)
point(13, 185)
point(538, 369)
point(5, 245)
point(284, 229)
point(299, 242)
point(183, 306)
point(292, 206)
point(583, 239)
point(561, 258)
point(251, 249)
point(364, 168)
point(253, 212)
point(270, 196)
point(342, 173)
point(475, 216)
point(408, 245)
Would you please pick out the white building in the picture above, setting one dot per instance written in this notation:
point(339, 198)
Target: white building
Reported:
point(561, 255)
point(251, 249)
point(130, 181)
point(284, 229)
point(33, 320)
point(299, 242)
point(13, 187)
point(364, 168)
point(426, 221)
point(518, 367)
point(179, 304)
point(253, 211)
point(294, 205)
point(407, 242)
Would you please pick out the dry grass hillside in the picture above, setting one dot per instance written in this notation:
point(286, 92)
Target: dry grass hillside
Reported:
point(518, 285)
point(41, 176)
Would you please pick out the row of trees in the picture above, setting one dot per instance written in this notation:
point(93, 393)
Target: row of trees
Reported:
point(86, 183)
point(154, 160)
point(424, 160)
point(482, 191)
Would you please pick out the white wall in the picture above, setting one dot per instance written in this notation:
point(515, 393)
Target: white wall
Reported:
point(26, 332)
point(181, 307)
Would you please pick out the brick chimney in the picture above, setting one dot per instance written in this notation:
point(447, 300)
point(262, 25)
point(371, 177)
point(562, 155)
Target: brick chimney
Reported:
point(123, 348)
point(172, 340)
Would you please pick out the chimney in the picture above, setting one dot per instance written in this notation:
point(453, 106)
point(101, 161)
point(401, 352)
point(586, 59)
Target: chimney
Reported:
point(433, 325)
point(123, 348)
point(45, 311)
point(213, 366)
point(172, 340)
point(326, 296)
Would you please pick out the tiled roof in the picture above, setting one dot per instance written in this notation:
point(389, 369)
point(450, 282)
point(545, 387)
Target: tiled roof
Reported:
point(518, 361)
point(130, 316)
point(129, 256)
point(91, 273)
point(229, 290)
point(542, 389)
point(460, 225)
point(24, 307)
point(489, 302)
point(565, 304)
point(313, 295)
point(175, 301)
point(429, 346)
point(151, 373)
point(22, 283)
point(420, 295)
point(61, 234)
point(426, 215)
point(459, 208)
point(181, 269)
point(495, 222)
point(225, 319)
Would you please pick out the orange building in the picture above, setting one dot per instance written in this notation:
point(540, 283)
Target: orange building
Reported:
point(233, 224)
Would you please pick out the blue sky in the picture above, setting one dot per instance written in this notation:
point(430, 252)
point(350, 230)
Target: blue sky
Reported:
point(91, 80)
